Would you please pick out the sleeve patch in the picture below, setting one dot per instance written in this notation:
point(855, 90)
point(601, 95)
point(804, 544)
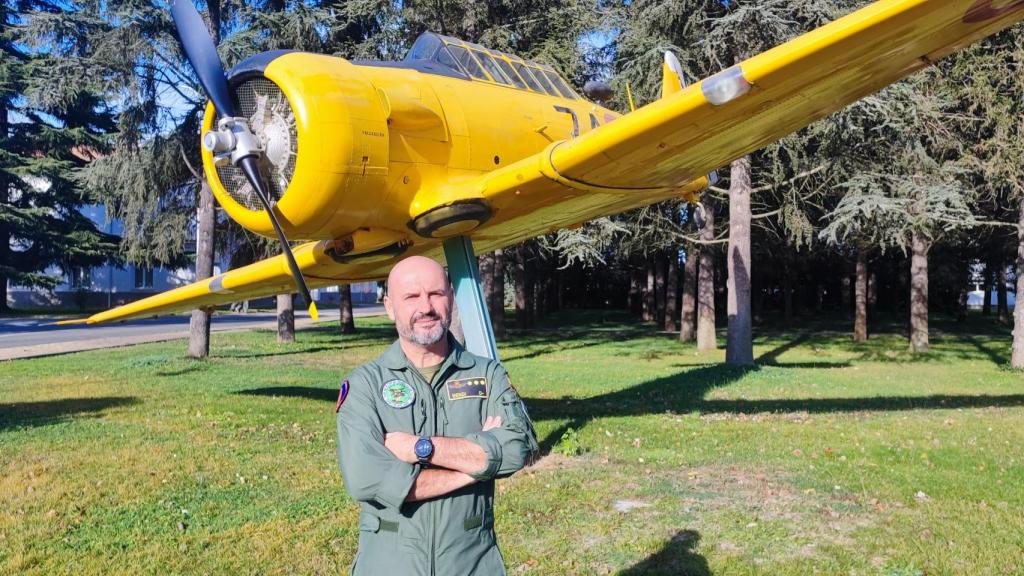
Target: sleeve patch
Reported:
point(342, 394)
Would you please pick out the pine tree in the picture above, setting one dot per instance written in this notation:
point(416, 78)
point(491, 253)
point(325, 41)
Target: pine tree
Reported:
point(43, 143)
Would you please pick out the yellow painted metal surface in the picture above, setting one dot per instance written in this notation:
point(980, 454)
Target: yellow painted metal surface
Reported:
point(381, 145)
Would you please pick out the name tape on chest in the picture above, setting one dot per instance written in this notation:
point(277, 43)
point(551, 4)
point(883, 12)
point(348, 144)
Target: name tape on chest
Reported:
point(467, 388)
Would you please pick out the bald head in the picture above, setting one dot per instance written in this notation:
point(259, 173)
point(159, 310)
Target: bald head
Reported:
point(414, 267)
point(419, 300)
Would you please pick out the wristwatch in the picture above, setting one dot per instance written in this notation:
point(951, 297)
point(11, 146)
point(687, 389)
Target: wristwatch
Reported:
point(424, 449)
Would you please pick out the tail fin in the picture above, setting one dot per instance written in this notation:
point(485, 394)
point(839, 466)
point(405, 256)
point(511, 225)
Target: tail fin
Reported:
point(672, 79)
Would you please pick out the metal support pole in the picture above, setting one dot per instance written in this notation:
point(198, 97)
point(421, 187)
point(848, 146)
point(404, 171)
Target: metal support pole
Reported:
point(476, 321)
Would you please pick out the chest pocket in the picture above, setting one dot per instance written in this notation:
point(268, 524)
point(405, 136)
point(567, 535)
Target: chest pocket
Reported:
point(465, 404)
point(400, 406)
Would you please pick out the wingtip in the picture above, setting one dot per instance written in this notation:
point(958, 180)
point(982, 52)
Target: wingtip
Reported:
point(71, 322)
point(313, 313)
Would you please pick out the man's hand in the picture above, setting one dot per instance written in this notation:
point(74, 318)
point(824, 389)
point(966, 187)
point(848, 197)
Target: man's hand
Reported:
point(401, 444)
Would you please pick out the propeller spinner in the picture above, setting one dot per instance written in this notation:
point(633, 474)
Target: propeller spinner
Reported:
point(232, 141)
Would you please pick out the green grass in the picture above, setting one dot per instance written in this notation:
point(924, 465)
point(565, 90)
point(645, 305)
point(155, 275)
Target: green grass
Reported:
point(830, 457)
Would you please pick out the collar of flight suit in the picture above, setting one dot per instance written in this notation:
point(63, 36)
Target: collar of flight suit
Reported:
point(394, 357)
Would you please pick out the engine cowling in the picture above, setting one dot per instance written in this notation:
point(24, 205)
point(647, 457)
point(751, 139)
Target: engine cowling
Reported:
point(324, 135)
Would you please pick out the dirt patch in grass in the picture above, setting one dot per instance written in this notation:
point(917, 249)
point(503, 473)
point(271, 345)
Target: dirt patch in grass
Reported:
point(767, 499)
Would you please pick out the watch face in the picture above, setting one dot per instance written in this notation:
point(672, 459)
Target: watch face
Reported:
point(424, 448)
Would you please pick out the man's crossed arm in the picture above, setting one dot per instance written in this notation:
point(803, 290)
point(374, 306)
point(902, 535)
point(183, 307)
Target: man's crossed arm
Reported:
point(453, 461)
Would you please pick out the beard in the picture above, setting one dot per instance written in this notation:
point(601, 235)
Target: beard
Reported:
point(424, 336)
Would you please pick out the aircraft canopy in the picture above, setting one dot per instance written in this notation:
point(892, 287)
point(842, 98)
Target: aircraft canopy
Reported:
point(486, 65)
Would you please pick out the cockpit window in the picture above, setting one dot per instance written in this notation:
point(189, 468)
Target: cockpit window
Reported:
point(488, 65)
point(557, 81)
point(492, 67)
point(445, 57)
point(468, 63)
point(543, 80)
point(509, 72)
point(425, 48)
point(524, 73)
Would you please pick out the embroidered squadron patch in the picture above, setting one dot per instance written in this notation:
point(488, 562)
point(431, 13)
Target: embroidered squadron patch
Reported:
point(342, 394)
point(398, 394)
point(467, 388)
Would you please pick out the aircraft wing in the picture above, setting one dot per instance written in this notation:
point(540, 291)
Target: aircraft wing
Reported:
point(659, 151)
point(323, 263)
point(676, 139)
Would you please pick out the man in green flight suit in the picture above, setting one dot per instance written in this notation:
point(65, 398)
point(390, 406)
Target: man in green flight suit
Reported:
point(423, 431)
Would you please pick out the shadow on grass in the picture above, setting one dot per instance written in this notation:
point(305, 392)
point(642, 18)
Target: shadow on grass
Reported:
point(995, 357)
point(26, 414)
point(771, 358)
point(677, 558)
point(269, 354)
point(308, 392)
point(684, 392)
point(315, 340)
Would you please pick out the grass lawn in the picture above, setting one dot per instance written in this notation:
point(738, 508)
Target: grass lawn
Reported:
point(830, 458)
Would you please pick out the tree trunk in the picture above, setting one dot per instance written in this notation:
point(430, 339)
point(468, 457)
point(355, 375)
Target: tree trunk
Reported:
point(845, 296)
point(346, 318)
point(1017, 355)
point(706, 285)
point(1003, 306)
point(787, 297)
point(635, 296)
point(963, 279)
point(5, 233)
point(672, 290)
point(540, 303)
point(660, 287)
point(560, 292)
point(199, 326)
point(860, 316)
point(739, 345)
point(285, 318)
point(496, 300)
point(872, 292)
point(485, 264)
point(524, 289)
point(919, 293)
point(649, 302)
point(553, 283)
point(986, 304)
point(688, 319)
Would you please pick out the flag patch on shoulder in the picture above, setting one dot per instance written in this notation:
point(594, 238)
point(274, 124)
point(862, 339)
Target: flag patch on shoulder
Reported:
point(342, 394)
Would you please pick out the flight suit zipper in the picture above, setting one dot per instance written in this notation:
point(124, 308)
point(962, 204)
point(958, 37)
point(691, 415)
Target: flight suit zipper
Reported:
point(432, 431)
point(438, 377)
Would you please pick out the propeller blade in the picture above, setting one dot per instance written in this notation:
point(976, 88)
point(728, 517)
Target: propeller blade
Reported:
point(251, 171)
point(199, 48)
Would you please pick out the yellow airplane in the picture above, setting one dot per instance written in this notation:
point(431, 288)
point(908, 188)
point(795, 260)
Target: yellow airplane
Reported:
point(373, 161)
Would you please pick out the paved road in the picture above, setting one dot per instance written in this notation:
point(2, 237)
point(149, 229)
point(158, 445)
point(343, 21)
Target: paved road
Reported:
point(28, 337)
